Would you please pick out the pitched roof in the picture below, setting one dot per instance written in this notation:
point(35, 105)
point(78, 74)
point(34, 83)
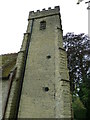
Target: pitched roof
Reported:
point(7, 62)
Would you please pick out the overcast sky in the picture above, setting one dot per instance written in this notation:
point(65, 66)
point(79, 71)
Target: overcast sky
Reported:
point(14, 15)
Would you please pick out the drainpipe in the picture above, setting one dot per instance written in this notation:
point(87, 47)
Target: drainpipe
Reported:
point(23, 70)
point(13, 113)
point(11, 77)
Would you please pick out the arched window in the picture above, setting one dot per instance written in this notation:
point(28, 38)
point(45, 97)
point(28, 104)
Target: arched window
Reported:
point(42, 25)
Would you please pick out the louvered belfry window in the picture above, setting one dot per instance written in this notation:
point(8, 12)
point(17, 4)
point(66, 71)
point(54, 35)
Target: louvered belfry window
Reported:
point(42, 25)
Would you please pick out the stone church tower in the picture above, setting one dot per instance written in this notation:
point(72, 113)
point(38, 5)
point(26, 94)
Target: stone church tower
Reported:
point(41, 86)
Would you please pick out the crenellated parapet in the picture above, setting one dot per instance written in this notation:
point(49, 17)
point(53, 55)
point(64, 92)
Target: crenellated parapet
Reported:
point(44, 13)
point(41, 87)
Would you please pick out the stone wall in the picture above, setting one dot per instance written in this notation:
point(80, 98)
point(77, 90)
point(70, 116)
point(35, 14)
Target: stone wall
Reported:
point(45, 89)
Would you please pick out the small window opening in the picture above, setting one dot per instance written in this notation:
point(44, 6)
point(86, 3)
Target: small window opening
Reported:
point(46, 89)
point(48, 56)
point(42, 25)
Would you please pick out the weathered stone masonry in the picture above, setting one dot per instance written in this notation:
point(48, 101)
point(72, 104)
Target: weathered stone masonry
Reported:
point(41, 88)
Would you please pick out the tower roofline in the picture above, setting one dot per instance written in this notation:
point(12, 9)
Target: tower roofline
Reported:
point(44, 12)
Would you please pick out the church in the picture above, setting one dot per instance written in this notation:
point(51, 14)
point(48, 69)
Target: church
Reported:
point(36, 79)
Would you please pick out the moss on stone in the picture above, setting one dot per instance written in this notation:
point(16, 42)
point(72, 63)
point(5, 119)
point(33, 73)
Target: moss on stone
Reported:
point(7, 62)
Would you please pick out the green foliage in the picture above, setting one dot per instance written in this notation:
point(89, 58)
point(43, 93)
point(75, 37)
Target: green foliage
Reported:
point(78, 107)
point(78, 47)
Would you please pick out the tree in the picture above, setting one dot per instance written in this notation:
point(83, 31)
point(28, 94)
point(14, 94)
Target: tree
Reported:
point(79, 108)
point(78, 47)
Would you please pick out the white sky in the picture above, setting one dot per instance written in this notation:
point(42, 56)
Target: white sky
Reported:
point(14, 15)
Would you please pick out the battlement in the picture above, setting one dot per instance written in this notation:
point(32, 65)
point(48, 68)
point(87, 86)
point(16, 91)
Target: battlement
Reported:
point(44, 12)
